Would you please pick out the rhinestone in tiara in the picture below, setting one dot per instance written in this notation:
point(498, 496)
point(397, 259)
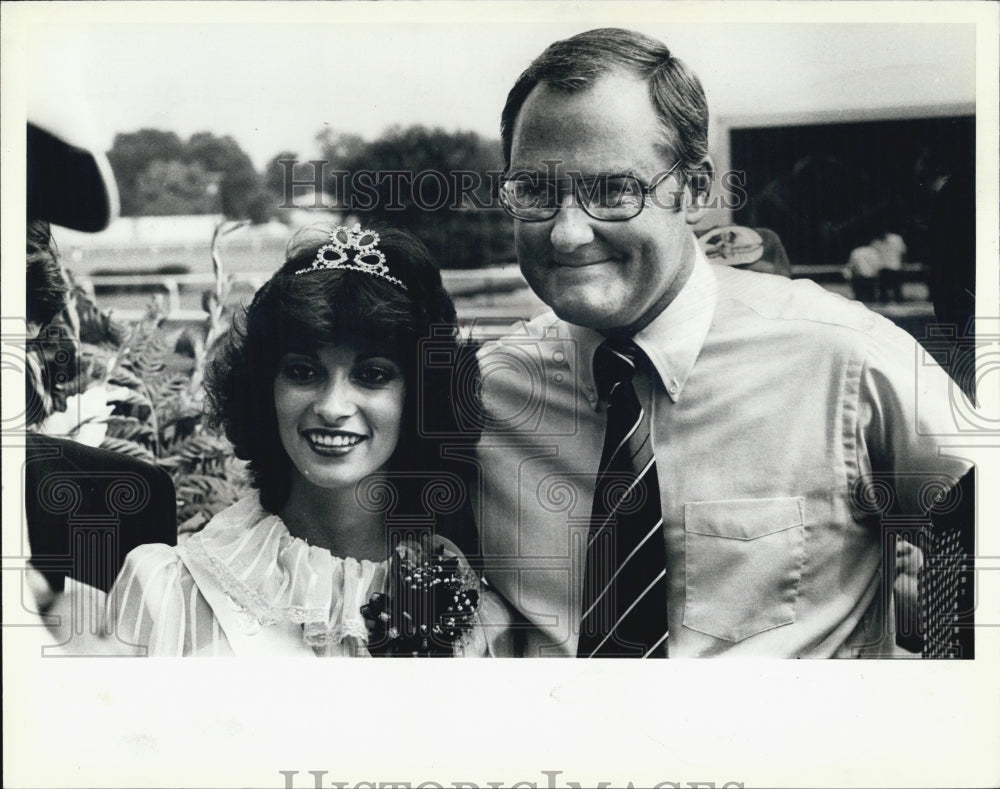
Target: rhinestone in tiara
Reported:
point(354, 249)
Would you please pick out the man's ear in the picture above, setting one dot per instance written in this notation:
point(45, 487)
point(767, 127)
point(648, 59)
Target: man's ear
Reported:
point(697, 191)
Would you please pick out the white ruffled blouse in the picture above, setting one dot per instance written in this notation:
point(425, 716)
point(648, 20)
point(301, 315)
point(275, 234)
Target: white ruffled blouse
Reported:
point(245, 586)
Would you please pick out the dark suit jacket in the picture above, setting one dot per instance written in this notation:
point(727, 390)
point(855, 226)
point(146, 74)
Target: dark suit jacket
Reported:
point(87, 508)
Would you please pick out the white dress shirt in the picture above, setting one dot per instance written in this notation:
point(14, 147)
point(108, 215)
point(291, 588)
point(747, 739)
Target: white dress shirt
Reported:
point(785, 421)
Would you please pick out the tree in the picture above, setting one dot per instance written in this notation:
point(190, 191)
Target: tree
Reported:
point(274, 172)
point(339, 152)
point(239, 183)
point(338, 148)
point(437, 184)
point(132, 153)
point(158, 173)
point(289, 180)
point(170, 188)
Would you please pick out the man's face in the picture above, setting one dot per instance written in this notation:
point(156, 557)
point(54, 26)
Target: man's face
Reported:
point(601, 274)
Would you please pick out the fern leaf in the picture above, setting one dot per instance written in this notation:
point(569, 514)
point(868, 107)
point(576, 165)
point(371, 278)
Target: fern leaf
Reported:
point(130, 429)
point(147, 352)
point(202, 452)
point(129, 448)
point(194, 523)
point(201, 488)
point(122, 376)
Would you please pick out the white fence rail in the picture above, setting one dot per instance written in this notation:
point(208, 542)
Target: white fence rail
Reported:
point(461, 284)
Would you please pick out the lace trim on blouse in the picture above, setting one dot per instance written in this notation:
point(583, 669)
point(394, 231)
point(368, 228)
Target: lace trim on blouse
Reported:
point(272, 576)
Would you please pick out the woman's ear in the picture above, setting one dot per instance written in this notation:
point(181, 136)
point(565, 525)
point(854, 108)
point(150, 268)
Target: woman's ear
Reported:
point(698, 189)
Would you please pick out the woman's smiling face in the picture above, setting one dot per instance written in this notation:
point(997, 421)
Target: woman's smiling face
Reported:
point(339, 412)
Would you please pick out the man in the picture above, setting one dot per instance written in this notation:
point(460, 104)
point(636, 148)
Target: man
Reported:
point(682, 459)
point(749, 248)
point(891, 250)
point(863, 267)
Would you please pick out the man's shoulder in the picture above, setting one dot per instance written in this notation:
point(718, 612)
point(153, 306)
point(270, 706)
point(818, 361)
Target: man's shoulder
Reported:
point(542, 327)
point(802, 302)
point(534, 362)
point(60, 456)
point(85, 457)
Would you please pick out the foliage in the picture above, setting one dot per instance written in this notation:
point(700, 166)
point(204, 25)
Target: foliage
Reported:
point(438, 185)
point(131, 154)
point(159, 174)
point(274, 171)
point(170, 188)
point(159, 414)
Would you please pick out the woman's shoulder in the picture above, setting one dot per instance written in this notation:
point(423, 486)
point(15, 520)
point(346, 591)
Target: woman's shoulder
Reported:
point(238, 516)
point(166, 564)
point(151, 557)
point(155, 607)
point(153, 571)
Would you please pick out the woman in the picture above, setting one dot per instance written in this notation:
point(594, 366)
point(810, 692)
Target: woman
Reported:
point(340, 387)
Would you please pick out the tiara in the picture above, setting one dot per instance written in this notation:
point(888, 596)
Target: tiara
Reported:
point(354, 249)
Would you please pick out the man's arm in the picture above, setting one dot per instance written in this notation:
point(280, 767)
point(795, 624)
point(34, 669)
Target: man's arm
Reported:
point(907, 405)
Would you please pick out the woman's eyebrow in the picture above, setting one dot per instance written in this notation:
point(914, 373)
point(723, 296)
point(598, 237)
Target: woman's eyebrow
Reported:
point(364, 356)
point(305, 354)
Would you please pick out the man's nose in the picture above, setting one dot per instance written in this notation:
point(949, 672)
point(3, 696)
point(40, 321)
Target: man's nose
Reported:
point(337, 400)
point(571, 226)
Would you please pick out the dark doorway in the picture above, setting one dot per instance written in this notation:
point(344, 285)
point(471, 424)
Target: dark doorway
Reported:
point(828, 188)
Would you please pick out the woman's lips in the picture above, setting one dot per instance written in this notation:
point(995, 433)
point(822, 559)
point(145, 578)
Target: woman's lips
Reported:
point(333, 442)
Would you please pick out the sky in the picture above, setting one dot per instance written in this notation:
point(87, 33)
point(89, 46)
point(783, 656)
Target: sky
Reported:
point(273, 78)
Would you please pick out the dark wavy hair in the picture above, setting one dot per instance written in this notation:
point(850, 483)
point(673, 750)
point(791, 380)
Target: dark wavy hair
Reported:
point(416, 327)
point(46, 289)
point(576, 63)
point(54, 351)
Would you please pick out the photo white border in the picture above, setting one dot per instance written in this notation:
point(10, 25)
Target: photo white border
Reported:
point(119, 722)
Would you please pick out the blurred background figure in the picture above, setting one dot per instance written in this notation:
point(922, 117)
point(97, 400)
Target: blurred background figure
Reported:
point(892, 250)
point(85, 507)
point(862, 270)
point(754, 249)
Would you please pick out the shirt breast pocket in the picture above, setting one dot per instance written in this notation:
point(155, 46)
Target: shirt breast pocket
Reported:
point(743, 562)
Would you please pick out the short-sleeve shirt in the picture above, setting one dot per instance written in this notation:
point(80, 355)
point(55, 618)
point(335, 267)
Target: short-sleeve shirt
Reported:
point(865, 262)
point(786, 421)
point(891, 249)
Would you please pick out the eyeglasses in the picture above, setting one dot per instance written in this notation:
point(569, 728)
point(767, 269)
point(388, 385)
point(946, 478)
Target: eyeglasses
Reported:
point(609, 198)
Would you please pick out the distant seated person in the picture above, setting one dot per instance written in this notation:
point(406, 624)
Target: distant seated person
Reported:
point(85, 507)
point(862, 270)
point(751, 249)
point(892, 251)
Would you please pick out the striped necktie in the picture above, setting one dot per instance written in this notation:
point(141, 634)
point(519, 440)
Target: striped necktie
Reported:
point(624, 611)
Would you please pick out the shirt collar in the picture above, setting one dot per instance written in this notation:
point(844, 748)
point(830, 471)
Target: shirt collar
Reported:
point(673, 340)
